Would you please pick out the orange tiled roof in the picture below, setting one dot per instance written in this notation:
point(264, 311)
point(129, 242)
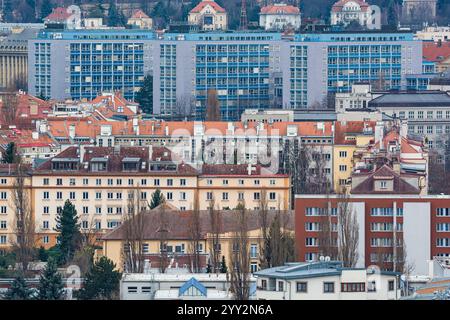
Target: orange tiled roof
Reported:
point(139, 14)
point(205, 3)
point(435, 52)
point(280, 9)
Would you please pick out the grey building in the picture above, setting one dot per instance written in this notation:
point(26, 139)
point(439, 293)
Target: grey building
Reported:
point(260, 70)
point(427, 112)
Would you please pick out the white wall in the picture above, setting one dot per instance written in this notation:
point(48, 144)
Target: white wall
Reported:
point(416, 235)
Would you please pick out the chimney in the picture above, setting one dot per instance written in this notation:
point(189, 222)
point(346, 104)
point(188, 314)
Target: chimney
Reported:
point(379, 133)
point(82, 151)
point(35, 135)
point(150, 152)
point(72, 131)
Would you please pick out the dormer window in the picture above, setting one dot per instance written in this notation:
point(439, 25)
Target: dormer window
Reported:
point(99, 164)
point(65, 163)
point(130, 164)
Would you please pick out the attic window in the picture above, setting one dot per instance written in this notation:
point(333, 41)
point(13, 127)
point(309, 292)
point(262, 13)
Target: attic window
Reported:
point(383, 184)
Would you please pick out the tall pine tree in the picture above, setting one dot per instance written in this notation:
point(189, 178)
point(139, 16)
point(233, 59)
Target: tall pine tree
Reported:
point(51, 285)
point(157, 199)
point(46, 8)
point(10, 154)
point(18, 290)
point(101, 282)
point(69, 232)
point(145, 95)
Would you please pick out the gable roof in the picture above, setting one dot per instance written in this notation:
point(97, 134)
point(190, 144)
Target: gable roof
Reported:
point(139, 14)
point(337, 7)
point(177, 223)
point(59, 14)
point(400, 185)
point(192, 283)
point(203, 4)
point(280, 9)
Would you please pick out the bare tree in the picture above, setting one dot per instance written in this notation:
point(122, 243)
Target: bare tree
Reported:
point(163, 234)
point(185, 108)
point(327, 232)
point(240, 257)
point(133, 252)
point(24, 222)
point(195, 234)
point(10, 102)
point(215, 218)
point(263, 219)
point(212, 106)
point(348, 232)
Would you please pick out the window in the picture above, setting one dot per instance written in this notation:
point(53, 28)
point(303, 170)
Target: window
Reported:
point(256, 196)
point(253, 251)
point(443, 212)
point(169, 182)
point(98, 182)
point(383, 184)
point(3, 224)
point(59, 182)
point(391, 285)
point(146, 289)
point(342, 154)
point(45, 239)
point(209, 196)
point(353, 287)
point(182, 182)
point(3, 209)
point(328, 287)
point(46, 181)
point(45, 225)
point(182, 195)
point(272, 196)
point(225, 182)
point(3, 195)
point(132, 290)
point(72, 195)
point(256, 182)
point(169, 196)
point(302, 287)
point(59, 195)
point(156, 182)
point(85, 195)
point(280, 286)
point(225, 196)
point(342, 168)
point(240, 196)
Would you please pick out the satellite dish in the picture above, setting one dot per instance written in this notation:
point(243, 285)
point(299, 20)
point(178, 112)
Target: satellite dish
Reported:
point(403, 277)
point(322, 258)
point(327, 258)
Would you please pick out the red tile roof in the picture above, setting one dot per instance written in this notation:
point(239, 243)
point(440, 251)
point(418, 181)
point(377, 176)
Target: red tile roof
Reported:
point(337, 7)
point(343, 129)
point(400, 185)
point(434, 52)
point(139, 14)
point(205, 3)
point(58, 15)
point(280, 9)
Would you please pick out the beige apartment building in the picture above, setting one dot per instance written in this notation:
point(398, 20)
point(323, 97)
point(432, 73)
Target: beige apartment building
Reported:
point(99, 181)
point(8, 180)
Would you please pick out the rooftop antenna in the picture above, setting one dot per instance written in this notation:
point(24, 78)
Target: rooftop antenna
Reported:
point(243, 22)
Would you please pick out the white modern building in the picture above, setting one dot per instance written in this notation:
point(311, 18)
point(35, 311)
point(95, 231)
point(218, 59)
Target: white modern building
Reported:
point(435, 34)
point(326, 280)
point(279, 17)
point(178, 286)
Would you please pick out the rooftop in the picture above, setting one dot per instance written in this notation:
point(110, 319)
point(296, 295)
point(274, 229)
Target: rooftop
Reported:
point(407, 99)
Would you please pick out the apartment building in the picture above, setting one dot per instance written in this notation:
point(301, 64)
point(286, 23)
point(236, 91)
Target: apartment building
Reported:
point(186, 65)
point(326, 280)
point(178, 247)
point(8, 180)
point(99, 181)
point(389, 222)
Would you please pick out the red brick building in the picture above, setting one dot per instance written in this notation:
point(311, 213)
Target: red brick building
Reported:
point(421, 223)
